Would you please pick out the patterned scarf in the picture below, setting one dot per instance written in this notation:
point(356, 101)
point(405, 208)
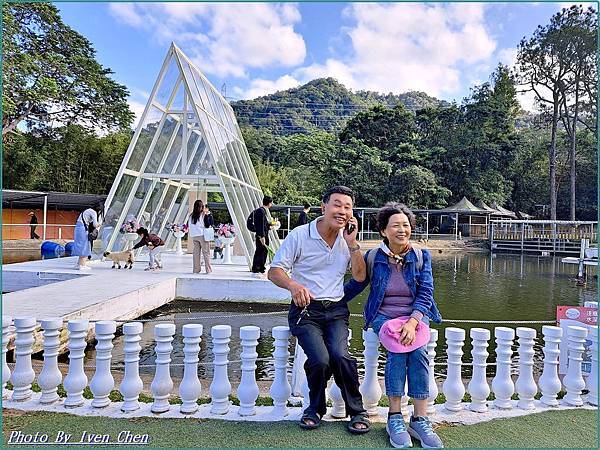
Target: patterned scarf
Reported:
point(399, 258)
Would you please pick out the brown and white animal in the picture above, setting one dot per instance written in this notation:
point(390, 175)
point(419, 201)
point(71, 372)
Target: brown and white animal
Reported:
point(118, 257)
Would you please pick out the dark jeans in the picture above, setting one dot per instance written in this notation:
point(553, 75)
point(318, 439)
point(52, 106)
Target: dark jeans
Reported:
point(33, 234)
point(323, 335)
point(260, 256)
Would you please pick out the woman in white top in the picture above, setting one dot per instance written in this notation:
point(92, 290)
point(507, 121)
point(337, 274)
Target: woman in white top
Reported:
point(87, 221)
point(201, 221)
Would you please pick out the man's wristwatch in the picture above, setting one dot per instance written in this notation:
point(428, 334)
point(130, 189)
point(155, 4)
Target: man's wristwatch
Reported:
point(354, 249)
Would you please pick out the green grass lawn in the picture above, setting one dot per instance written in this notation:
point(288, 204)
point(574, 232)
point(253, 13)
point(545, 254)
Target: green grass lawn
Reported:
point(570, 428)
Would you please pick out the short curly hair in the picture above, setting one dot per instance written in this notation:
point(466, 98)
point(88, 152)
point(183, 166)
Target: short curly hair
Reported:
point(388, 210)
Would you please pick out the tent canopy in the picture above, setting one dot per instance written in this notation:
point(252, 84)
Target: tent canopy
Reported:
point(464, 206)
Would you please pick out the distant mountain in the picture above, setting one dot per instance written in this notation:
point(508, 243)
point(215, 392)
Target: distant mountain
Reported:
point(323, 104)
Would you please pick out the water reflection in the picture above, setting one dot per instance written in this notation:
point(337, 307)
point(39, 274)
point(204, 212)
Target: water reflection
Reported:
point(475, 286)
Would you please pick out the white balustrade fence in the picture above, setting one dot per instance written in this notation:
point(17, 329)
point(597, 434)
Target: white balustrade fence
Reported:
point(189, 389)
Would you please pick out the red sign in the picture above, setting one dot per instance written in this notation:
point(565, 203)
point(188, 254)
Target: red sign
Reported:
point(581, 314)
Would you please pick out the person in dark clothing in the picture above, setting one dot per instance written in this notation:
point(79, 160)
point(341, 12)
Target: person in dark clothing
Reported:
point(261, 222)
point(33, 222)
point(303, 217)
point(154, 243)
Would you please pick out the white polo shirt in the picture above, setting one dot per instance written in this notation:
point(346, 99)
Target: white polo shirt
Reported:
point(312, 263)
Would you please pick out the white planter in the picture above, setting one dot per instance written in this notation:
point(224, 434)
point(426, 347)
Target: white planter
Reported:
point(227, 253)
point(178, 235)
point(130, 238)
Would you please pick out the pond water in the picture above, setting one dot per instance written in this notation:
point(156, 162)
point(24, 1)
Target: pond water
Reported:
point(474, 286)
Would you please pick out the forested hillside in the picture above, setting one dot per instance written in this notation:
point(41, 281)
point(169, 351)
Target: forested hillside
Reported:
point(323, 104)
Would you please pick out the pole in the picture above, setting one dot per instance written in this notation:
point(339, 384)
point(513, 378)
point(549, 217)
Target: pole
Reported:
point(45, 216)
point(456, 229)
point(522, 235)
point(362, 224)
point(289, 214)
point(427, 225)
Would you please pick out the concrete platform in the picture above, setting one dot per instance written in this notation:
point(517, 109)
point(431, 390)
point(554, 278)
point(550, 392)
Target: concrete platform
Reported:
point(54, 288)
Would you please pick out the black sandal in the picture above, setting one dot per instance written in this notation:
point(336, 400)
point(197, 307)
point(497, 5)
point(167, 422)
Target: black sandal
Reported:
point(359, 418)
point(310, 416)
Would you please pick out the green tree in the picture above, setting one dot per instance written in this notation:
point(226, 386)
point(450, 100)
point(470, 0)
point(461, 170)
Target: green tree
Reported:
point(50, 74)
point(381, 127)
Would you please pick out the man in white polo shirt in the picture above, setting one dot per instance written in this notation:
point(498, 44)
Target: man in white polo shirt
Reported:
point(311, 264)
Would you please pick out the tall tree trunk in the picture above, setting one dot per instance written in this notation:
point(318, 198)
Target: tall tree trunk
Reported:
point(552, 156)
point(572, 151)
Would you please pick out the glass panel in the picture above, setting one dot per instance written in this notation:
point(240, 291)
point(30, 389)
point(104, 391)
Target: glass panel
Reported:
point(174, 154)
point(177, 103)
point(160, 147)
point(192, 143)
point(177, 205)
point(110, 224)
point(161, 213)
point(144, 140)
point(189, 77)
point(133, 213)
point(167, 84)
point(152, 206)
point(204, 104)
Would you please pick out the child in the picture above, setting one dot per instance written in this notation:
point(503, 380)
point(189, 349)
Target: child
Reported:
point(218, 248)
point(154, 244)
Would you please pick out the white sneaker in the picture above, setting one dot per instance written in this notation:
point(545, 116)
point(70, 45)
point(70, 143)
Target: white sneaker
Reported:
point(85, 268)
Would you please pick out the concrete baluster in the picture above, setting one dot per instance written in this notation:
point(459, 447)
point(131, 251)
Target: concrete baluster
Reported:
point(305, 392)
point(50, 376)
point(549, 382)
point(525, 384)
point(220, 388)
point(76, 379)
point(592, 380)
point(248, 388)
point(338, 409)
point(573, 380)
point(6, 323)
point(131, 384)
point(190, 387)
point(23, 375)
point(162, 384)
point(102, 382)
point(370, 388)
point(453, 387)
point(478, 386)
point(502, 384)
point(280, 389)
point(433, 388)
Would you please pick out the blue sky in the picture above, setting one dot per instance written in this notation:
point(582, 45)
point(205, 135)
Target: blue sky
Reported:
point(258, 48)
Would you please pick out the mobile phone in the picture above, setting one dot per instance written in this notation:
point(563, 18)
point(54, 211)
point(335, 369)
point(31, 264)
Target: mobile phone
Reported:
point(350, 228)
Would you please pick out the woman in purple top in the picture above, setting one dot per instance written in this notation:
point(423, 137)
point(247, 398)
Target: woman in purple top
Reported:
point(401, 286)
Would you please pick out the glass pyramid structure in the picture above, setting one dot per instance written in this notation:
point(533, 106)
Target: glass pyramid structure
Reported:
point(187, 140)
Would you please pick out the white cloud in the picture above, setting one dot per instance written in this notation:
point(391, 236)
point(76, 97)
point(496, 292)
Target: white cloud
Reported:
point(137, 108)
point(224, 39)
point(259, 87)
point(407, 46)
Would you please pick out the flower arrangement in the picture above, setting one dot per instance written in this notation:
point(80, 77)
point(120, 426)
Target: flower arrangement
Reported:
point(130, 226)
point(226, 230)
point(175, 227)
point(274, 224)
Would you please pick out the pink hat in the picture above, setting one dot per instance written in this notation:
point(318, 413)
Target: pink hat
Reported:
point(389, 335)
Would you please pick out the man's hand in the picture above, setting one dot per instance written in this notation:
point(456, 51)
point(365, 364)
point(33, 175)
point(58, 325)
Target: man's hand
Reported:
point(262, 241)
point(300, 295)
point(351, 237)
point(408, 331)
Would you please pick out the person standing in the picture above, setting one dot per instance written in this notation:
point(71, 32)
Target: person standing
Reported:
point(33, 222)
point(86, 230)
point(303, 217)
point(262, 227)
point(200, 222)
point(311, 264)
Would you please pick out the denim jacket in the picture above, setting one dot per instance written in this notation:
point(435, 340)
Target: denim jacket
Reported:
point(420, 283)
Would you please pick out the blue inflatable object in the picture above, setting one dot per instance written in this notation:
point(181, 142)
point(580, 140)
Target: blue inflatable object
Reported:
point(52, 250)
point(69, 248)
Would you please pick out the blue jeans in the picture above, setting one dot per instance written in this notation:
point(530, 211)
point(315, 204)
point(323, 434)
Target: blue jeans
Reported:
point(413, 364)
